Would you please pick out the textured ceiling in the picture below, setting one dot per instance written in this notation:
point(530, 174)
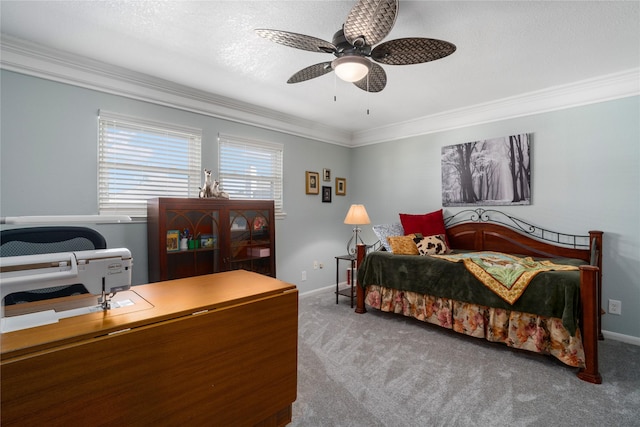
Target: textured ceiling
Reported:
point(504, 49)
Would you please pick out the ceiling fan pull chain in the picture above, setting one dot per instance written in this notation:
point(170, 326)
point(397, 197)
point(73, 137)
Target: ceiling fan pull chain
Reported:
point(368, 94)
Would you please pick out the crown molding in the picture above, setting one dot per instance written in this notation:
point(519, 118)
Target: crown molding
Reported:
point(39, 61)
point(52, 64)
point(585, 92)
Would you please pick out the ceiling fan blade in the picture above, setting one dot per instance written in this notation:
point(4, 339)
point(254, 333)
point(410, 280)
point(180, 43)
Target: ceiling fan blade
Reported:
point(298, 41)
point(311, 72)
point(371, 19)
point(375, 80)
point(415, 50)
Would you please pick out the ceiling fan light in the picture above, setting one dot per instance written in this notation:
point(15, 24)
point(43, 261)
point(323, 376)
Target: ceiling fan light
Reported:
point(351, 68)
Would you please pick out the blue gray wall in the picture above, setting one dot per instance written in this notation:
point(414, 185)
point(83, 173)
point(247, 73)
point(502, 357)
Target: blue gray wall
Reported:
point(585, 163)
point(48, 158)
point(585, 176)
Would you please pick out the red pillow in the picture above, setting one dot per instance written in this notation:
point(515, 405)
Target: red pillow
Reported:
point(428, 224)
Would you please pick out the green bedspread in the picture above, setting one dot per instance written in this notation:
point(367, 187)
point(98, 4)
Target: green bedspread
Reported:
point(550, 294)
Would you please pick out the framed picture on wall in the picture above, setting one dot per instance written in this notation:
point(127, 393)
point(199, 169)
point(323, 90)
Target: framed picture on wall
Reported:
point(341, 187)
point(326, 194)
point(326, 174)
point(490, 172)
point(312, 182)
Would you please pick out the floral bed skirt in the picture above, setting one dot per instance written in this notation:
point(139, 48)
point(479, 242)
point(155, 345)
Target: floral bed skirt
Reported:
point(524, 331)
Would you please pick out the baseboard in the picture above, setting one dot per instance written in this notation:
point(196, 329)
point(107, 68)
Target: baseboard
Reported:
point(621, 337)
point(316, 291)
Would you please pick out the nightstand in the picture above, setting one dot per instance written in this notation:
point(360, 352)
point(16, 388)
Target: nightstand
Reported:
point(348, 291)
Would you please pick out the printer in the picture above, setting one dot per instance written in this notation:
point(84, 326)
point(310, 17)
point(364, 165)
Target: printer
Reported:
point(103, 272)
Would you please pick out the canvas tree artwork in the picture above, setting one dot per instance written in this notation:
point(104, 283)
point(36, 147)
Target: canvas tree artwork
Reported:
point(489, 172)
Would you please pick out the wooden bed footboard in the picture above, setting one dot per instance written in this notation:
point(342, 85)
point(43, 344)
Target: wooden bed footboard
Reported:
point(361, 251)
point(493, 237)
point(589, 323)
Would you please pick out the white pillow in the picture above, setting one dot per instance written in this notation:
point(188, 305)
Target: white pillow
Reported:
point(388, 230)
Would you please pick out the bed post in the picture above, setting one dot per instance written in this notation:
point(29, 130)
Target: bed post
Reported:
point(589, 323)
point(360, 253)
point(595, 246)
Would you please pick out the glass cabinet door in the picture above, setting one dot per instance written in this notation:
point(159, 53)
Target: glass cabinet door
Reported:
point(250, 240)
point(193, 243)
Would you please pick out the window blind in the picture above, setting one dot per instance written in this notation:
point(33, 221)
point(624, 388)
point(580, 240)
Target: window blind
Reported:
point(141, 159)
point(250, 169)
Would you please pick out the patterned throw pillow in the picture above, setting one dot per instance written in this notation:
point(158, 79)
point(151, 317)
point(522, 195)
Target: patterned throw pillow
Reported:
point(385, 230)
point(403, 245)
point(432, 245)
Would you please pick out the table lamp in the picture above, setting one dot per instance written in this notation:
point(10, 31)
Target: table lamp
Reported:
point(357, 215)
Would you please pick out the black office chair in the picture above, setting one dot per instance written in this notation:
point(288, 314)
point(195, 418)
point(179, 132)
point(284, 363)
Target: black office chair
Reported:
point(46, 240)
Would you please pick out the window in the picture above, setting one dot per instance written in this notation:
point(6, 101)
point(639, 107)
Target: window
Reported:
point(140, 159)
point(251, 170)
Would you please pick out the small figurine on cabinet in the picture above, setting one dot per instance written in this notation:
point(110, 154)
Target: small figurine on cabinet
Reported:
point(184, 240)
point(217, 193)
point(211, 188)
point(207, 190)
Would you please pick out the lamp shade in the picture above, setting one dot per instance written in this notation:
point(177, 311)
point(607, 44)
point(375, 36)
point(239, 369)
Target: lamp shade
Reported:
point(357, 215)
point(351, 68)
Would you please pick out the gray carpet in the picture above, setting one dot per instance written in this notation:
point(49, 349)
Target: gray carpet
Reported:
point(380, 369)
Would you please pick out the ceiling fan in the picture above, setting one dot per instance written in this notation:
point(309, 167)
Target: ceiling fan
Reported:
point(368, 22)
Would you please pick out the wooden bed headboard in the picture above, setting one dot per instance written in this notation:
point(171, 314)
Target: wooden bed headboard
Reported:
point(494, 237)
point(491, 230)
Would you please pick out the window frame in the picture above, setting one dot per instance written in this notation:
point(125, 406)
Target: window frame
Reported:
point(267, 148)
point(122, 141)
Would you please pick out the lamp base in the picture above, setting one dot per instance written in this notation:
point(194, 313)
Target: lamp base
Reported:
point(351, 250)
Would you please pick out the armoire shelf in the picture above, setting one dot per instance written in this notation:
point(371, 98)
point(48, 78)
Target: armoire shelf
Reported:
point(225, 235)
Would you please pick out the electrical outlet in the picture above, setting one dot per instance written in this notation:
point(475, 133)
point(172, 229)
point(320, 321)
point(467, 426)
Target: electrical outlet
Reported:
point(315, 265)
point(615, 307)
point(304, 275)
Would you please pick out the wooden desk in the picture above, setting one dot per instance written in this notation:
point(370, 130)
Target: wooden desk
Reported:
point(219, 349)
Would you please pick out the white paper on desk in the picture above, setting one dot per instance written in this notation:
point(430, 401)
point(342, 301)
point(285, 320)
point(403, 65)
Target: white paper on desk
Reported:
point(48, 317)
point(31, 320)
point(41, 318)
point(78, 311)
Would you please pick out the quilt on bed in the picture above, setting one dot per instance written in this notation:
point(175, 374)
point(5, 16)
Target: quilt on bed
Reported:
point(551, 294)
point(505, 275)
